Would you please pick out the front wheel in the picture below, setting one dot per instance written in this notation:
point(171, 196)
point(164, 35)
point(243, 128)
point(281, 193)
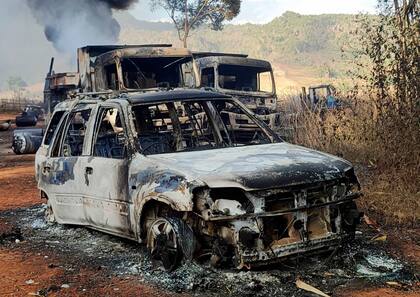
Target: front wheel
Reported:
point(163, 242)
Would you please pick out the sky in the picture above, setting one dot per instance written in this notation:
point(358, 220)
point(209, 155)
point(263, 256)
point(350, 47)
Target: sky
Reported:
point(263, 11)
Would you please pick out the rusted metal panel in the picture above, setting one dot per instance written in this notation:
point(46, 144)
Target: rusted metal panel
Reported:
point(64, 80)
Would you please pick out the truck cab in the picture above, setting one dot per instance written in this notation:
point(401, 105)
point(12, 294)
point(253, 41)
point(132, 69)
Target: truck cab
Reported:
point(134, 67)
point(107, 69)
point(249, 80)
point(113, 68)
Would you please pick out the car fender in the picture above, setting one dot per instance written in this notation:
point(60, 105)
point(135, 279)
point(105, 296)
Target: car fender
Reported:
point(162, 186)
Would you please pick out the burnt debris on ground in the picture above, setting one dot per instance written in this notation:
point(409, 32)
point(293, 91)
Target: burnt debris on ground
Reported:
point(360, 264)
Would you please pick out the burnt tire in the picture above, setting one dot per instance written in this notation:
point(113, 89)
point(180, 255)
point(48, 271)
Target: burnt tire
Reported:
point(25, 143)
point(22, 144)
point(170, 239)
point(49, 214)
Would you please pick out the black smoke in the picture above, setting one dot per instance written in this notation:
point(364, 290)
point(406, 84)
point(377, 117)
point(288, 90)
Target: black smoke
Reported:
point(69, 24)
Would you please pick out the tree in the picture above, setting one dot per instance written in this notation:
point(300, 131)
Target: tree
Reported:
point(16, 84)
point(188, 15)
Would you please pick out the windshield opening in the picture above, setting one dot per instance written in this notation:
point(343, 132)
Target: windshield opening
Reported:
point(192, 125)
point(146, 73)
point(245, 78)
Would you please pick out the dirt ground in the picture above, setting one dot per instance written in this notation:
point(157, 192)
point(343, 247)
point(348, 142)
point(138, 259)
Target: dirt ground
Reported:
point(39, 260)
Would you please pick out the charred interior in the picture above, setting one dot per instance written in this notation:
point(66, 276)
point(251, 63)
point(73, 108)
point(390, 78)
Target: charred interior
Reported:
point(245, 78)
point(146, 73)
point(189, 125)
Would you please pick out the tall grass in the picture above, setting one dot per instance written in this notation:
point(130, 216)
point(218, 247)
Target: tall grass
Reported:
point(379, 128)
point(386, 154)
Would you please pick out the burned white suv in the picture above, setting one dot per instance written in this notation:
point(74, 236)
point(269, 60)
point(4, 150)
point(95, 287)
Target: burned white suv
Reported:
point(164, 168)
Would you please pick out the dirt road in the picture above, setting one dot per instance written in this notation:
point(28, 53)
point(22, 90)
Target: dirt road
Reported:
point(41, 259)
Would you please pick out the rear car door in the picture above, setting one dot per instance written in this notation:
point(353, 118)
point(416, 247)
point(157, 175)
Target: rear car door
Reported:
point(62, 173)
point(106, 173)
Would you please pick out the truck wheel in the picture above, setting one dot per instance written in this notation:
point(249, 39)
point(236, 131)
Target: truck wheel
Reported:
point(163, 241)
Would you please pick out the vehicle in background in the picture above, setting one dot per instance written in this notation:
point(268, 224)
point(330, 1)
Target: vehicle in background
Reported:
point(30, 116)
point(251, 81)
point(121, 68)
point(321, 97)
point(28, 140)
point(113, 69)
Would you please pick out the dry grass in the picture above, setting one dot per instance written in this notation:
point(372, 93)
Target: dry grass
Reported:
point(385, 149)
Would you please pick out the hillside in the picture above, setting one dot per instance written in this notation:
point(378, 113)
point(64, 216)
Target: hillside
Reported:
point(304, 49)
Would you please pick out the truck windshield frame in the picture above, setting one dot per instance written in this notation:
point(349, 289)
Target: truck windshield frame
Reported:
point(153, 72)
point(243, 78)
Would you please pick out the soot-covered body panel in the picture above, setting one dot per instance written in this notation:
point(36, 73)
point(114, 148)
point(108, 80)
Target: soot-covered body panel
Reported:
point(244, 205)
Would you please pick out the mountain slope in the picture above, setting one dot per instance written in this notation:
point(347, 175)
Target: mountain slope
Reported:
point(311, 42)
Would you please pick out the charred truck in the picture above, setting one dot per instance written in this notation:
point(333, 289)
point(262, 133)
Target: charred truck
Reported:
point(251, 81)
point(116, 68)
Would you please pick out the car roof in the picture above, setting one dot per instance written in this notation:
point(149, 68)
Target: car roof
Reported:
point(145, 97)
point(173, 95)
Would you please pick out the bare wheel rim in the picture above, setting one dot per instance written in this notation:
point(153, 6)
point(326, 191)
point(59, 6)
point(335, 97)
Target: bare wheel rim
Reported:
point(162, 242)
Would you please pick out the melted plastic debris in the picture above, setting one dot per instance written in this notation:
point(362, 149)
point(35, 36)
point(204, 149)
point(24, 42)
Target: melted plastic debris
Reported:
point(379, 265)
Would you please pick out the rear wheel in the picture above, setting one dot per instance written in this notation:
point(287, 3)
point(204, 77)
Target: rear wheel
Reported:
point(163, 242)
point(49, 213)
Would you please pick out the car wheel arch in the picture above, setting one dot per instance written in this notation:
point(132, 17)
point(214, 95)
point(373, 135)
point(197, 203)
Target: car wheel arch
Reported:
point(148, 205)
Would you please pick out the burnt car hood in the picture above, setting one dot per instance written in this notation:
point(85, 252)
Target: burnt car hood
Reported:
point(255, 167)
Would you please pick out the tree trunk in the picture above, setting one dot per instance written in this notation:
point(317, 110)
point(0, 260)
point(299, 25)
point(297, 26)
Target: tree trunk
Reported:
point(185, 37)
point(185, 25)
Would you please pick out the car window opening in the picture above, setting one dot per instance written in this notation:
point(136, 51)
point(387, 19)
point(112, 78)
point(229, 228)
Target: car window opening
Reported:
point(74, 136)
point(190, 125)
point(55, 120)
point(110, 140)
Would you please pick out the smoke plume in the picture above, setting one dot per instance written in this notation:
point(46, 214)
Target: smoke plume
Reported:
point(69, 24)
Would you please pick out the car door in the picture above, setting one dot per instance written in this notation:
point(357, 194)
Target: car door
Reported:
point(62, 173)
point(42, 153)
point(106, 173)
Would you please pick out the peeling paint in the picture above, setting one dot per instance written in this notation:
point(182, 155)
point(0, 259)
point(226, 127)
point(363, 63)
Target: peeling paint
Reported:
point(60, 171)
